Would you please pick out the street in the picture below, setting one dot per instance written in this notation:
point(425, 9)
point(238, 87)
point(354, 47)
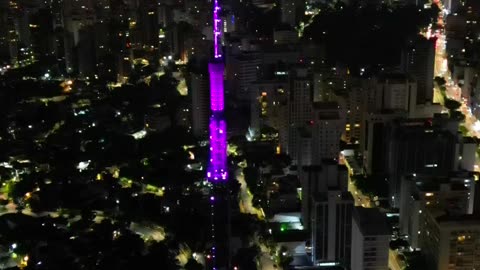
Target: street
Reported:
point(453, 91)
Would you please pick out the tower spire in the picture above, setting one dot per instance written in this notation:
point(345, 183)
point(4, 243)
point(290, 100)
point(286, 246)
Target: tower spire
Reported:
point(217, 32)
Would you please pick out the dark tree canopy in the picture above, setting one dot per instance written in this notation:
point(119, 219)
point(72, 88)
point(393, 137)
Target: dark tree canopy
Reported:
point(357, 35)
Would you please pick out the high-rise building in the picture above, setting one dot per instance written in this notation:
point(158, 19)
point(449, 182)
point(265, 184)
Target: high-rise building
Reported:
point(327, 175)
point(327, 124)
point(393, 92)
point(292, 11)
point(373, 139)
point(418, 60)
point(421, 147)
point(269, 108)
point(69, 54)
point(319, 138)
point(86, 52)
point(242, 71)
point(370, 239)
point(450, 242)
point(22, 28)
point(354, 106)
point(395, 147)
point(454, 193)
point(301, 105)
point(42, 34)
point(332, 227)
point(4, 40)
point(148, 24)
point(200, 103)
point(217, 170)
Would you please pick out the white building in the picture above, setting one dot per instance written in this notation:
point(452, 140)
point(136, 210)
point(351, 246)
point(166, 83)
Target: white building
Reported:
point(394, 92)
point(300, 104)
point(242, 71)
point(332, 226)
point(420, 193)
point(450, 242)
point(320, 179)
point(370, 240)
point(327, 129)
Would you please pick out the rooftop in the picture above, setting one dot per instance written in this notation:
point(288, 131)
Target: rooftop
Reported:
point(371, 221)
point(453, 221)
point(394, 77)
point(459, 220)
point(323, 196)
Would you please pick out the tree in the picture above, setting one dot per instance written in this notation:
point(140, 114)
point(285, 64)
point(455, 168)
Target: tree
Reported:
point(284, 259)
point(440, 81)
point(192, 264)
point(371, 185)
point(370, 30)
point(252, 175)
point(395, 244)
point(158, 254)
point(443, 89)
point(457, 115)
point(452, 104)
point(246, 257)
point(415, 260)
point(246, 226)
point(281, 161)
point(463, 130)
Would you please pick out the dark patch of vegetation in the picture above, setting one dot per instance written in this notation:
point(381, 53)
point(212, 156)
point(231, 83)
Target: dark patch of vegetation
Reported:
point(371, 185)
point(360, 35)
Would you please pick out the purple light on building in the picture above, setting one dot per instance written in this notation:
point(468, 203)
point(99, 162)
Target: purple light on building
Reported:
point(216, 86)
point(217, 30)
point(216, 67)
point(217, 167)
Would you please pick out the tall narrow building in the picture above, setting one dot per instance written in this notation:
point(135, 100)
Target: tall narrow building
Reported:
point(200, 104)
point(418, 60)
point(370, 239)
point(332, 227)
point(217, 171)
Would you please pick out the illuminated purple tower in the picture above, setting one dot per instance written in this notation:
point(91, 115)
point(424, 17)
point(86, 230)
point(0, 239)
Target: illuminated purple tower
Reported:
point(217, 170)
point(218, 254)
point(218, 150)
point(215, 69)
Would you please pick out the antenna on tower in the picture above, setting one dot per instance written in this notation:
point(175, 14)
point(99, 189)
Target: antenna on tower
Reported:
point(217, 30)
